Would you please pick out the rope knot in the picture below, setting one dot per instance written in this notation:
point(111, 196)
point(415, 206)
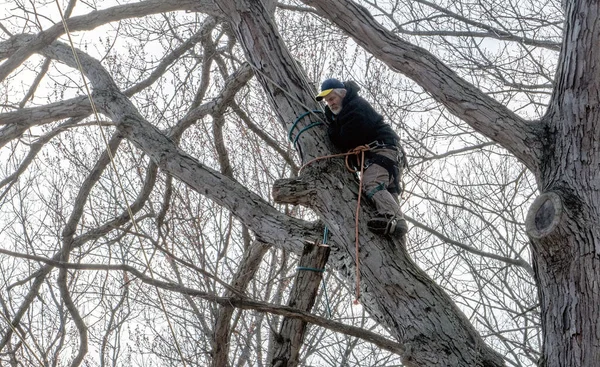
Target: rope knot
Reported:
point(360, 149)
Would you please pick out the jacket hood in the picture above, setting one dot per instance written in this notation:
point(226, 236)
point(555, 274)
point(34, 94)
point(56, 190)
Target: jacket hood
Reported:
point(352, 89)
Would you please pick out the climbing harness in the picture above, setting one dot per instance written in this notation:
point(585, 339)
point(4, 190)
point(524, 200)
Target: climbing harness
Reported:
point(360, 163)
point(391, 166)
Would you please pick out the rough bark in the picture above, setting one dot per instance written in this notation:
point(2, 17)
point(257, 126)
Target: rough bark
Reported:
point(302, 296)
point(395, 291)
point(563, 222)
point(562, 150)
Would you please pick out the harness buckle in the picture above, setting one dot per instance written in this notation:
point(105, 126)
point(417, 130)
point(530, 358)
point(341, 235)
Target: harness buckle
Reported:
point(375, 144)
point(378, 144)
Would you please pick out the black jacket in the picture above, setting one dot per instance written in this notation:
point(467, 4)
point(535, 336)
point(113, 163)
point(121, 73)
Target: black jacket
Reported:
point(357, 123)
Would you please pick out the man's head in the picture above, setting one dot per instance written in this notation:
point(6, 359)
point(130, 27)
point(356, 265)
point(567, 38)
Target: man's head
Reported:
point(333, 92)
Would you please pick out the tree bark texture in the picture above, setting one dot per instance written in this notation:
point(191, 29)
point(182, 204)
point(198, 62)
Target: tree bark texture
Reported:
point(302, 296)
point(562, 150)
point(565, 234)
point(396, 292)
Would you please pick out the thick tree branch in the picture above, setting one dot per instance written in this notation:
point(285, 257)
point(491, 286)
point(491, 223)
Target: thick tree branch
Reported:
point(16, 54)
point(269, 224)
point(285, 85)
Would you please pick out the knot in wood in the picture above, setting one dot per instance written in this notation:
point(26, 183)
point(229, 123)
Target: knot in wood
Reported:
point(544, 215)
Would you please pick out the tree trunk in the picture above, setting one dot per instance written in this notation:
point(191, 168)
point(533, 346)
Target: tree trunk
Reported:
point(567, 270)
point(563, 221)
point(395, 291)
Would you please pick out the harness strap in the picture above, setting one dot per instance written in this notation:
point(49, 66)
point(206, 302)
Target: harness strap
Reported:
point(298, 119)
point(376, 189)
point(311, 125)
point(390, 165)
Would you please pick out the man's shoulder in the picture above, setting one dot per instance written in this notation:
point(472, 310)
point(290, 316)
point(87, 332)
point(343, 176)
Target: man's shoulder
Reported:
point(351, 86)
point(359, 102)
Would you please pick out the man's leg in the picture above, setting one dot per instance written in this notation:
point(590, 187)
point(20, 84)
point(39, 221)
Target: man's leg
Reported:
point(376, 182)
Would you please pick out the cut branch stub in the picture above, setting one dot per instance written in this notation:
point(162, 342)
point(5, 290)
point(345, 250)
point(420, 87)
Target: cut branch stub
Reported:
point(544, 215)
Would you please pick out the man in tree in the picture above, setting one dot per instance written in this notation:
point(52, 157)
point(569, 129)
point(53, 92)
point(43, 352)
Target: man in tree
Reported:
point(354, 126)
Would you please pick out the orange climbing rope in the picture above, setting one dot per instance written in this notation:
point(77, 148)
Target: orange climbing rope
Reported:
point(354, 152)
point(362, 151)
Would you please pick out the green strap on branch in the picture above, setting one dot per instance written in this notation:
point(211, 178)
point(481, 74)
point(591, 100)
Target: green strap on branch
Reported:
point(324, 286)
point(325, 235)
point(298, 119)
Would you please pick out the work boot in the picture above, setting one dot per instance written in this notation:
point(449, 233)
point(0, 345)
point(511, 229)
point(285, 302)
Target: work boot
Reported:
point(388, 224)
point(400, 229)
